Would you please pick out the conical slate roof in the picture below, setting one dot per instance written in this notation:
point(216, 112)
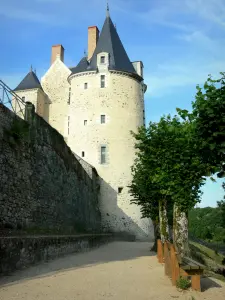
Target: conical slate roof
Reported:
point(110, 42)
point(29, 82)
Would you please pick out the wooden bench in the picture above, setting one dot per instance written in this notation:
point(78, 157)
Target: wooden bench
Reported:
point(176, 267)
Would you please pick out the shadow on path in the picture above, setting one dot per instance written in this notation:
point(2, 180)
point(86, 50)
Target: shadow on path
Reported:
point(111, 252)
point(208, 283)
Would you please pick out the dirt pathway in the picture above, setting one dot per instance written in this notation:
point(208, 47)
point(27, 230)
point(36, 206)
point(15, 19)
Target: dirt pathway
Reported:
point(119, 270)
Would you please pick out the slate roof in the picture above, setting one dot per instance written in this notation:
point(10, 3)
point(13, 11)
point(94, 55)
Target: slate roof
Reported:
point(30, 81)
point(81, 67)
point(109, 42)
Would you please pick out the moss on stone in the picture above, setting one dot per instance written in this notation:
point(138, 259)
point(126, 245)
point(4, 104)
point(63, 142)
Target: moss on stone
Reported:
point(18, 132)
point(164, 226)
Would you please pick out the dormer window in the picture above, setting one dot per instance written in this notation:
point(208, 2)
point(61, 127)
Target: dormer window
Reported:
point(102, 59)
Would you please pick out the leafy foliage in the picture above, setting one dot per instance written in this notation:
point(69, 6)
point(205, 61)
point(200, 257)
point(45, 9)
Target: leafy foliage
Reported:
point(167, 165)
point(221, 205)
point(176, 155)
point(183, 283)
point(208, 117)
point(167, 170)
point(208, 223)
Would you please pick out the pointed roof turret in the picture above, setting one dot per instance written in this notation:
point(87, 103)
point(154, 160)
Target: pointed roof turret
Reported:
point(30, 81)
point(110, 42)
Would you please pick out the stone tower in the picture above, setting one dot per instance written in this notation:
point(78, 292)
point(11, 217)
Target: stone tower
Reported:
point(106, 103)
point(31, 90)
point(95, 106)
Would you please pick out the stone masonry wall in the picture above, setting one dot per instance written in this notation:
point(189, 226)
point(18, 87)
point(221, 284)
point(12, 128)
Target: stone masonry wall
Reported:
point(21, 252)
point(122, 104)
point(42, 184)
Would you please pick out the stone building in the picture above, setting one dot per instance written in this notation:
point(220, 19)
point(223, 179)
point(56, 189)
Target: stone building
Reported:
point(94, 106)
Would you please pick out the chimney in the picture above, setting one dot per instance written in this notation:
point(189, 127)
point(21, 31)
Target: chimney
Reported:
point(57, 50)
point(93, 35)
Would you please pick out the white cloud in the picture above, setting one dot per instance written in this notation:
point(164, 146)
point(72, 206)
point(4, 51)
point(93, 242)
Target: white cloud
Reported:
point(208, 9)
point(178, 73)
point(51, 12)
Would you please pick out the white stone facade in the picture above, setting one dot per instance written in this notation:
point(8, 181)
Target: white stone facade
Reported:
point(56, 86)
point(96, 111)
point(122, 104)
point(37, 97)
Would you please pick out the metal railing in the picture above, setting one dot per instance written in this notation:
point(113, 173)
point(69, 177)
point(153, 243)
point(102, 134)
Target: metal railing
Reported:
point(10, 99)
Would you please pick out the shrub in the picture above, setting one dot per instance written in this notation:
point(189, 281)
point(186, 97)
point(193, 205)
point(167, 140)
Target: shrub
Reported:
point(183, 283)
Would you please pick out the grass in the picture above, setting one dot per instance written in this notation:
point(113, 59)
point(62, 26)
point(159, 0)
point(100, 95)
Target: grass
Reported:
point(209, 258)
point(207, 252)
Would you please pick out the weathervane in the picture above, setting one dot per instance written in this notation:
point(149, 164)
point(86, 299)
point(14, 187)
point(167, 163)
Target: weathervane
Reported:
point(107, 10)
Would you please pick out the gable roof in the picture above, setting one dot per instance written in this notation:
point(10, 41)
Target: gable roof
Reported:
point(109, 41)
point(30, 81)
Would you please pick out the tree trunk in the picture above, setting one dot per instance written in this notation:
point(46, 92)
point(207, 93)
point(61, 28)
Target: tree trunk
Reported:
point(180, 231)
point(163, 221)
point(157, 235)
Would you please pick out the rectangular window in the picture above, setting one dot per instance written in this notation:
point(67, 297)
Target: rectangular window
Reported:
point(103, 154)
point(69, 96)
point(23, 98)
point(102, 119)
point(85, 122)
point(102, 59)
point(120, 190)
point(85, 85)
point(102, 81)
point(83, 154)
point(68, 125)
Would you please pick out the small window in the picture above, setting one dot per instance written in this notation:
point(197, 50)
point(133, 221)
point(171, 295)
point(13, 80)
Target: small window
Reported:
point(85, 85)
point(68, 125)
point(102, 59)
point(120, 190)
point(102, 119)
point(82, 154)
point(69, 96)
point(23, 98)
point(102, 81)
point(103, 155)
point(85, 122)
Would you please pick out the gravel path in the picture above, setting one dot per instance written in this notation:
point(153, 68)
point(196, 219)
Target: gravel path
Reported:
point(119, 270)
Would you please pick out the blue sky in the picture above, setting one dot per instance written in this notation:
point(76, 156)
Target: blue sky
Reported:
point(179, 41)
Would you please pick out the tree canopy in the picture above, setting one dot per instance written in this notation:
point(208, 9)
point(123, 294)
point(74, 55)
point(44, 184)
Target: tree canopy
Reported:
point(175, 155)
point(208, 118)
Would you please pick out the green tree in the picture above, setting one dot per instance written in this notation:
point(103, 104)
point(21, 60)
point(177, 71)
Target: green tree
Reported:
point(221, 206)
point(167, 153)
point(208, 117)
point(143, 194)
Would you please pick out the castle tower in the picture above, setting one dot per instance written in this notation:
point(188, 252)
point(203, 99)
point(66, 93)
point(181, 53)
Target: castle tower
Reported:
point(106, 103)
point(31, 90)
